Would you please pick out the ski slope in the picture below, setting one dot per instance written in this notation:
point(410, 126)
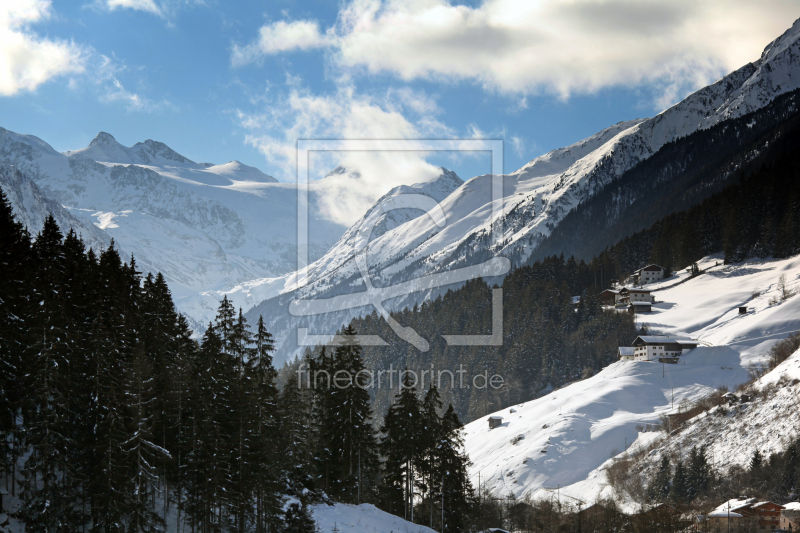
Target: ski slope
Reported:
point(564, 439)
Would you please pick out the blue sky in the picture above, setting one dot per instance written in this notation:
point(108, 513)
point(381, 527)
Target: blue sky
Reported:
point(219, 81)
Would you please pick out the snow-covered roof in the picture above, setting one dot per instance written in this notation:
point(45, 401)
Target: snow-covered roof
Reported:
point(733, 505)
point(661, 339)
point(792, 506)
point(759, 504)
point(495, 417)
point(626, 350)
point(724, 514)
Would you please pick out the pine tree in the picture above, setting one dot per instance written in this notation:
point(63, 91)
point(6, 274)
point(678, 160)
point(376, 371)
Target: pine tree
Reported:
point(699, 473)
point(208, 458)
point(679, 491)
point(401, 446)
point(14, 290)
point(49, 476)
point(142, 454)
point(430, 436)
point(660, 486)
point(790, 471)
point(298, 519)
point(455, 489)
point(756, 460)
point(295, 431)
point(268, 458)
point(109, 355)
point(245, 456)
point(347, 439)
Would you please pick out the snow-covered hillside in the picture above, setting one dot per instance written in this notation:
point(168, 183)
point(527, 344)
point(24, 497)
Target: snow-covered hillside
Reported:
point(732, 434)
point(364, 518)
point(562, 440)
point(535, 198)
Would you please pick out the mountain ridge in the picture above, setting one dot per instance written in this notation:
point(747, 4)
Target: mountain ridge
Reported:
point(537, 197)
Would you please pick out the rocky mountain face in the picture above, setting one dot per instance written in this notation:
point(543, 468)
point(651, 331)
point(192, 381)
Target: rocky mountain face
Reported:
point(31, 208)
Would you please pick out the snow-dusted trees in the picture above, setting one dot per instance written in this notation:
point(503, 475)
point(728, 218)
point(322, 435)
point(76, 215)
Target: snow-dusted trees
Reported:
point(401, 448)
point(424, 475)
point(120, 420)
point(345, 441)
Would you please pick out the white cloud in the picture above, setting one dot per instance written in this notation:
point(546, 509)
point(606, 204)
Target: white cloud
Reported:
point(397, 114)
point(148, 6)
point(527, 46)
point(26, 59)
point(280, 37)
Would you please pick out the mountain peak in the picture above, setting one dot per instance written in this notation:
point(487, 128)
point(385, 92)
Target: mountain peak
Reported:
point(238, 171)
point(103, 138)
point(151, 150)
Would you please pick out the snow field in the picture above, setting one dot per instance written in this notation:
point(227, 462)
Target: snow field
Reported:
point(569, 435)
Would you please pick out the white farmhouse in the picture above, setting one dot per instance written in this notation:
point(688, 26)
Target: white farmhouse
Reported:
point(649, 274)
point(638, 295)
point(658, 347)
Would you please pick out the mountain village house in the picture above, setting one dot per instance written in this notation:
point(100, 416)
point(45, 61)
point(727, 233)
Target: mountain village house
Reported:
point(625, 296)
point(625, 353)
point(790, 517)
point(749, 515)
point(648, 274)
point(659, 348)
point(639, 307)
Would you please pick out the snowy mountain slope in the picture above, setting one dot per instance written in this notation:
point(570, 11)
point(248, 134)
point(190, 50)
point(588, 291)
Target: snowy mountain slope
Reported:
point(536, 197)
point(732, 434)
point(205, 226)
point(251, 293)
point(707, 308)
point(364, 518)
point(580, 426)
point(31, 208)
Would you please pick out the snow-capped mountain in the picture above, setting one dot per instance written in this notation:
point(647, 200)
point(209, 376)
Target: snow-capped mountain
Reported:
point(31, 208)
point(535, 198)
point(251, 293)
point(563, 439)
point(204, 226)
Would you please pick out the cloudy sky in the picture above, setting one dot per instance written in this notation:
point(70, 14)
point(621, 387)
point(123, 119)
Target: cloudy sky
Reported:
point(243, 80)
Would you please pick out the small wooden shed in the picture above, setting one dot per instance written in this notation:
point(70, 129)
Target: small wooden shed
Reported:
point(495, 421)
